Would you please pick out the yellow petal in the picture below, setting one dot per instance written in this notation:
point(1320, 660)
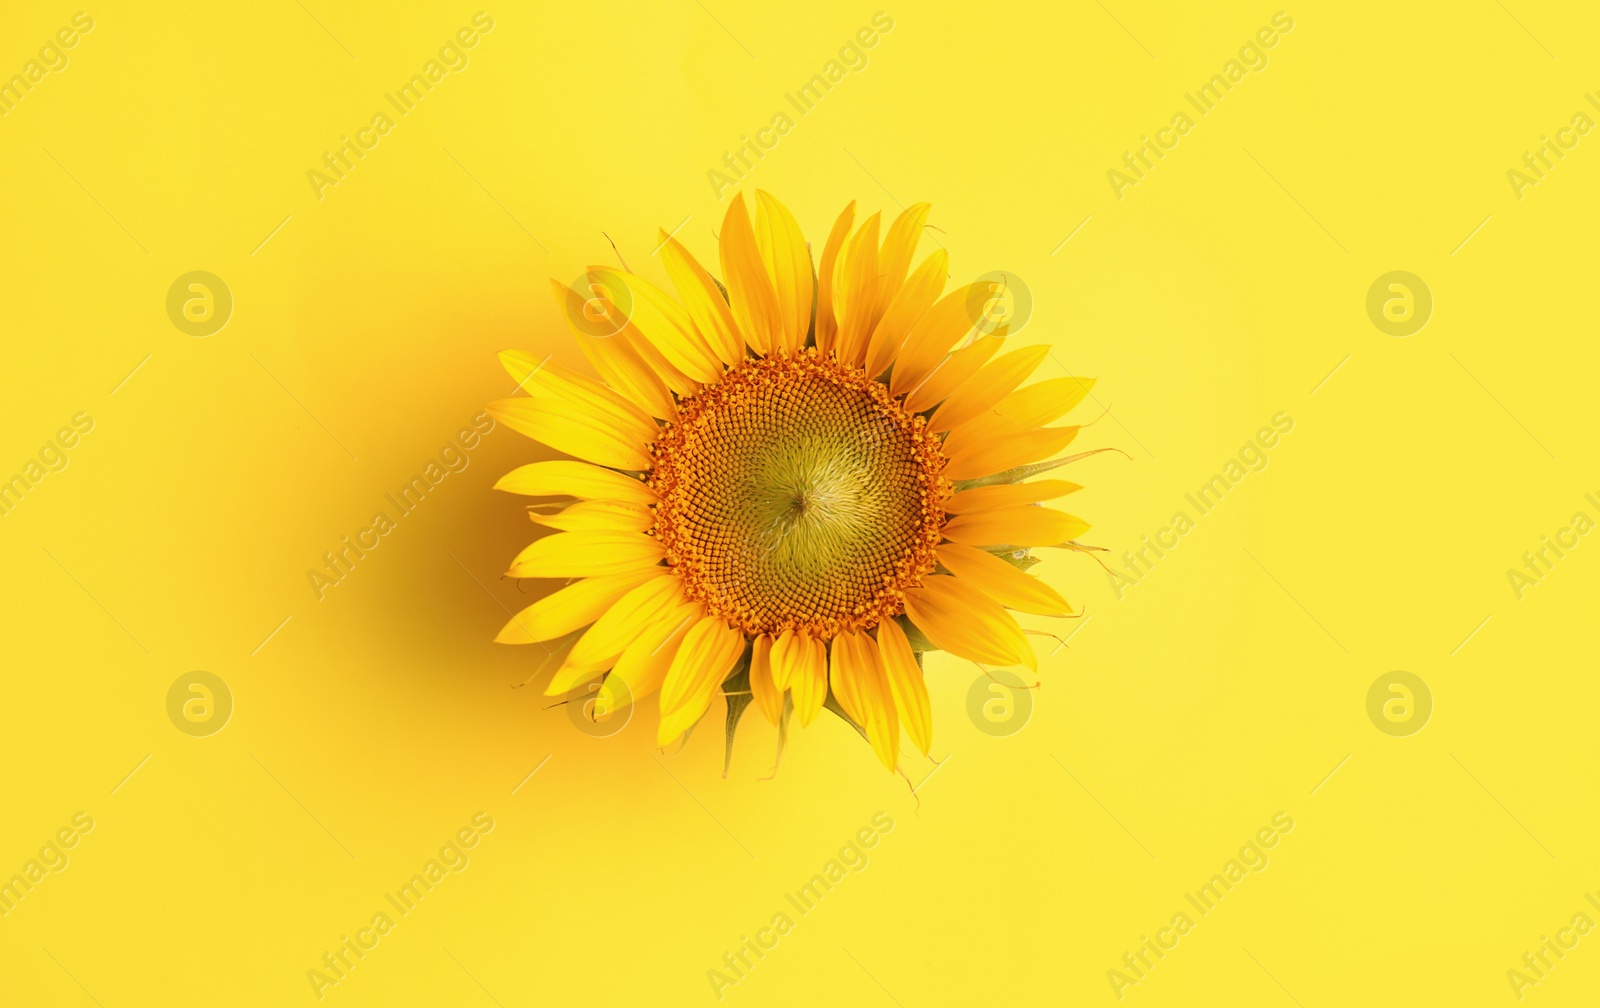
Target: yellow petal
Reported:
point(626, 370)
point(523, 366)
point(913, 299)
point(573, 430)
point(574, 606)
point(707, 654)
point(827, 320)
point(565, 478)
point(855, 299)
point(807, 663)
point(586, 554)
point(900, 245)
point(883, 720)
point(1006, 583)
point(657, 363)
point(1025, 409)
point(597, 516)
point(623, 344)
point(763, 691)
point(968, 624)
point(990, 385)
point(621, 624)
point(703, 299)
point(552, 654)
point(750, 293)
point(844, 674)
point(643, 664)
point(665, 323)
point(543, 378)
point(783, 659)
point(906, 684)
point(933, 334)
point(950, 372)
point(554, 383)
point(988, 498)
point(1006, 453)
point(789, 265)
point(567, 677)
point(858, 671)
point(1027, 525)
point(610, 353)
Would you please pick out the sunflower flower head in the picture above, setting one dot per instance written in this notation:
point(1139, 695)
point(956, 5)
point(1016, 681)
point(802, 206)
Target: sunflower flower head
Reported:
point(790, 483)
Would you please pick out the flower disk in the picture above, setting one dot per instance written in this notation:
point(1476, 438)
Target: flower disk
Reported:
point(797, 495)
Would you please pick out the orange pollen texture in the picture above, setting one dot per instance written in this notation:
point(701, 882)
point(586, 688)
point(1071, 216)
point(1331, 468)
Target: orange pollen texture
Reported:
point(795, 493)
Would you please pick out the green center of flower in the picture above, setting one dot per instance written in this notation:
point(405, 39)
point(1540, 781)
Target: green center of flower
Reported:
point(796, 494)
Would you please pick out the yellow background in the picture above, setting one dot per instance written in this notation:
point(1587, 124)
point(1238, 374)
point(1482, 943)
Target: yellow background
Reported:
point(1225, 287)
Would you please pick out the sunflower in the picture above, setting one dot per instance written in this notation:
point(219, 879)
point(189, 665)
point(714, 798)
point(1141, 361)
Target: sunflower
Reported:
point(789, 483)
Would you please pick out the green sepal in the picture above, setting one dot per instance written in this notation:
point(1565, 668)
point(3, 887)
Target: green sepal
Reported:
point(816, 292)
point(831, 704)
point(1019, 558)
point(737, 690)
point(1021, 473)
point(783, 730)
point(916, 638)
